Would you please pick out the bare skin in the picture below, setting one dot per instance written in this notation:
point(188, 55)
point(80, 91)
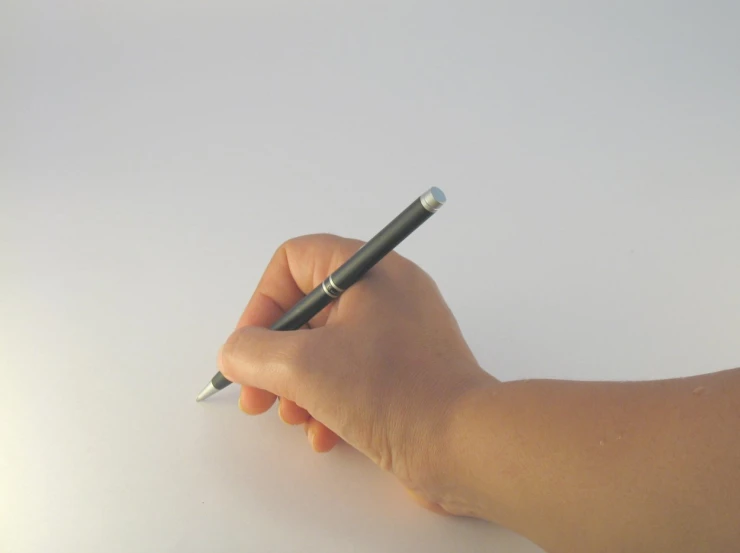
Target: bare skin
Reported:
point(574, 466)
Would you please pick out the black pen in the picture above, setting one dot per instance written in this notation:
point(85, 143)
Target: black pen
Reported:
point(345, 276)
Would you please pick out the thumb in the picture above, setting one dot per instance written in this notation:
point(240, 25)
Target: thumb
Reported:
point(268, 359)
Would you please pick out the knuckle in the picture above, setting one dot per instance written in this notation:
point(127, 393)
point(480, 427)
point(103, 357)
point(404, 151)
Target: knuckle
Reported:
point(281, 250)
point(286, 244)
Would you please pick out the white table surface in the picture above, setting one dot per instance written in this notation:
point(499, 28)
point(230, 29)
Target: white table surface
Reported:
point(154, 154)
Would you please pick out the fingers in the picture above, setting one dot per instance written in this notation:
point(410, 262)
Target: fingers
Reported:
point(262, 311)
point(319, 436)
point(278, 362)
point(290, 413)
point(264, 362)
point(254, 401)
point(296, 268)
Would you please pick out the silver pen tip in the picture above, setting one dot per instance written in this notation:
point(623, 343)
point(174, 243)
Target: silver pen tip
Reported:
point(207, 392)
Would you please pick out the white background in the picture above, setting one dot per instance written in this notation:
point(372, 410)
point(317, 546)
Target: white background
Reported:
point(154, 154)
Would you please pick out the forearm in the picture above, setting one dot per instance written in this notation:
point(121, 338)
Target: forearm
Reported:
point(590, 466)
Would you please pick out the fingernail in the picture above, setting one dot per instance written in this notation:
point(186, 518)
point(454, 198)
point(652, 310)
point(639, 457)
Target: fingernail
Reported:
point(311, 435)
point(240, 405)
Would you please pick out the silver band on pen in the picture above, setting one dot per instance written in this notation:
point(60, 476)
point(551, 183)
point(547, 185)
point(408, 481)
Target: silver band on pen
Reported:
point(330, 288)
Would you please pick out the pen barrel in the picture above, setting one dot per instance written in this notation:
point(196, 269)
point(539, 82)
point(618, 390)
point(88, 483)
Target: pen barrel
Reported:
point(303, 311)
point(379, 246)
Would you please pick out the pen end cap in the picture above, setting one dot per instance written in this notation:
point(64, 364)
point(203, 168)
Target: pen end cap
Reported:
point(433, 199)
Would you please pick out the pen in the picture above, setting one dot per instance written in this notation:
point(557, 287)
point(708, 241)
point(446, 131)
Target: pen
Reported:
point(353, 270)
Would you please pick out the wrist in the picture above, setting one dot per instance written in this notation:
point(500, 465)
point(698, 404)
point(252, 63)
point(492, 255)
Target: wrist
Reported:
point(453, 479)
point(476, 475)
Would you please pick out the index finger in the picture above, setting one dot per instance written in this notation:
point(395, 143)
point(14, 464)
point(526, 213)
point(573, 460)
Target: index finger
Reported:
point(297, 267)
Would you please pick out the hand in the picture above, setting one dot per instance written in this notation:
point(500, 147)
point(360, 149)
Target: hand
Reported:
point(382, 367)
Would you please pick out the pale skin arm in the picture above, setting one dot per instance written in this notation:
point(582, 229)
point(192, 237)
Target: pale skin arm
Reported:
point(574, 466)
point(607, 466)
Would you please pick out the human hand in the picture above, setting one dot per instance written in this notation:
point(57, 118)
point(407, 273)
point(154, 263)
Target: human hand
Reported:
point(382, 367)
